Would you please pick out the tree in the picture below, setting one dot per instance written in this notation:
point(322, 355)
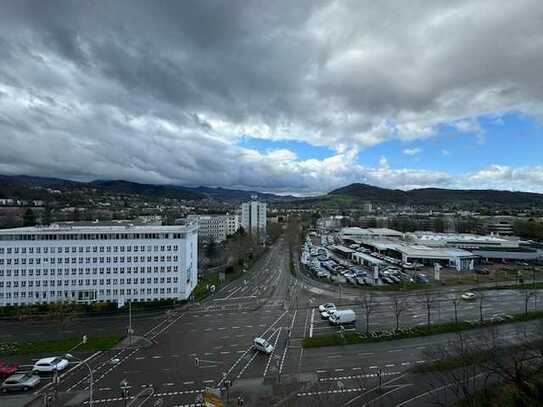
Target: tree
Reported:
point(455, 301)
point(481, 300)
point(439, 224)
point(399, 305)
point(428, 302)
point(46, 219)
point(29, 219)
point(368, 306)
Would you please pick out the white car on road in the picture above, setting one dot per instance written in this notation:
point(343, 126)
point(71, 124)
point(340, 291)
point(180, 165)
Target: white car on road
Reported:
point(469, 296)
point(47, 365)
point(262, 345)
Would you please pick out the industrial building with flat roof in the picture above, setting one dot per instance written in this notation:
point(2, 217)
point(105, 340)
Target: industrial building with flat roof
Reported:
point(97, 263)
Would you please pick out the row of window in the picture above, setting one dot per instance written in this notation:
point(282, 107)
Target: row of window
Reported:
point(91, 236)
point(88, 270)
point(73, 294)
point(87, 249)
point(88, 260)
point(88, 282)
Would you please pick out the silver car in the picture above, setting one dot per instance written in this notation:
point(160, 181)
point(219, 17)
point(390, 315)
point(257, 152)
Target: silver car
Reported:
point(20, 381)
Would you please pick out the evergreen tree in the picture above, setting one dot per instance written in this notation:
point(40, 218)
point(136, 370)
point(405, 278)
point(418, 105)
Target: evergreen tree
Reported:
point(29, 219)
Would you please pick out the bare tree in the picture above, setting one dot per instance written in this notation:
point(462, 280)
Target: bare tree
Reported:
point(399, 305)
point(368, 306)
point(527, 295)
point(481, 301)
point(428, 300)
point(455, 301)
point(464, 379)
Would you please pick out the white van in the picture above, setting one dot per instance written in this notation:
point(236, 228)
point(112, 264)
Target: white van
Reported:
point(344, 316)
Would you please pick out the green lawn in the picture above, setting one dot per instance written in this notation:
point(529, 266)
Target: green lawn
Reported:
point(59, 346)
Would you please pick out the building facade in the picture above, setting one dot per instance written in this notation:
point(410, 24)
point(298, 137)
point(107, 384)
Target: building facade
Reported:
point(253, 216)
point(97, 263)
point(216, 227)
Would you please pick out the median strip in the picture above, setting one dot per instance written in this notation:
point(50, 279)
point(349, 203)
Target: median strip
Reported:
point(353, 338)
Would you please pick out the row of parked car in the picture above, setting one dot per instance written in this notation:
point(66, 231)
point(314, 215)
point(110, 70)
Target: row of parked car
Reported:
point(25, 381)
point(357, 275)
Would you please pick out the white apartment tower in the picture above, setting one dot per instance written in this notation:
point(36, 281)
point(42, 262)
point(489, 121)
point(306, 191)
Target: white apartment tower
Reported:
point(253, 216)
point(97, 263)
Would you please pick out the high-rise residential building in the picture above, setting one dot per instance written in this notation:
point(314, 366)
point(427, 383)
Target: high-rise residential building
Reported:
point(216, 227)
point(253, 216)
point(97, 263)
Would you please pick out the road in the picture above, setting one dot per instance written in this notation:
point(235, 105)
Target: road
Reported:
point(209, 345)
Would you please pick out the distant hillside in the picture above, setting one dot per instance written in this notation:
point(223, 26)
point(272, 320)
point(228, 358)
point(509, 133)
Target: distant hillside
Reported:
point(433, 196)
point(223, 194)
point(134, 188)
point(29, 187)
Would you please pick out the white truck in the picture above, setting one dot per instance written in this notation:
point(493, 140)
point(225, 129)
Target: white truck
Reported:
point(344, 316)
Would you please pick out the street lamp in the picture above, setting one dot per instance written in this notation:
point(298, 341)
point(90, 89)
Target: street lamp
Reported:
point(124, 391)
point(72, 357)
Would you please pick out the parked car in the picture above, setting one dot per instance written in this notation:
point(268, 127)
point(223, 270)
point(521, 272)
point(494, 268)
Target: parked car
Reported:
point(262, 345)
point(326, 306)
point(501, 317)
point(344, 316)
point(48, 365)
point(469, 296)
point(422, 278)
point(327, 313)
point(7, 369)
point(20, 381)
point(360, 281)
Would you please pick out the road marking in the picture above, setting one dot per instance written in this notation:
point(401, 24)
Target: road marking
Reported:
point(168, 384)
point(321, 371)
point(390, 365)
point(157, 357)
point(208, 381)
point(187, 383)
point(312, 320)
point(406, 363)
point(360, 376)
point(396, 350)
point(338, 370)
point(373, 367)
point(357, 368)
point(316, 393)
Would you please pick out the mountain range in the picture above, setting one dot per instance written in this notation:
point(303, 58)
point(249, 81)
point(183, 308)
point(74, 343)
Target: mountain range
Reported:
point(29, 187)
point(24, 186)
point(436, 196)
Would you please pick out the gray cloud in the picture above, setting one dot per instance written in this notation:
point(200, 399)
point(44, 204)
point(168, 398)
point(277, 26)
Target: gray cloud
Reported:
point(162, 92)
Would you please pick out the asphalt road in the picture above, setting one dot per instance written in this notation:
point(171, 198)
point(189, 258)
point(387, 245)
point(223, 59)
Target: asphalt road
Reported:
point(209, 345)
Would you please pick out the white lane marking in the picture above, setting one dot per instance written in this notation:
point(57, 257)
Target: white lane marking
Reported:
point(187, 383)
point(312, 320)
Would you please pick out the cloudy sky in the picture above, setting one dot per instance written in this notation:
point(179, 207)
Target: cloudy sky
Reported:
point(281, 96)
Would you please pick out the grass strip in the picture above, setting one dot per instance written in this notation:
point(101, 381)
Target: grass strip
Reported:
point(525, 286)
point(414, 332)
point(59, 346)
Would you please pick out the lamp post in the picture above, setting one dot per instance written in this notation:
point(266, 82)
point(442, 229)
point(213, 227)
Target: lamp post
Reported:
point(70, 356)
point(124, 391)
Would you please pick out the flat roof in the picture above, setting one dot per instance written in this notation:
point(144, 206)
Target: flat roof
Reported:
point(367, 257)
point(385, 231)
point(99, 229)
point(342, 249)
point(459, 237)
point(432, 252)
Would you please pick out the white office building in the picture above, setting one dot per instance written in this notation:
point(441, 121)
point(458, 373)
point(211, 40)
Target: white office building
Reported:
point(253, 216)
point(216, 227)
point(97, 263)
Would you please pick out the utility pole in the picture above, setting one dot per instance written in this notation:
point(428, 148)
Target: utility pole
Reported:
point(130, 330)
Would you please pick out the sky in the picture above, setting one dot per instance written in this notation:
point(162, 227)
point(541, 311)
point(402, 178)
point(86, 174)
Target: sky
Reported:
point(285, 96)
